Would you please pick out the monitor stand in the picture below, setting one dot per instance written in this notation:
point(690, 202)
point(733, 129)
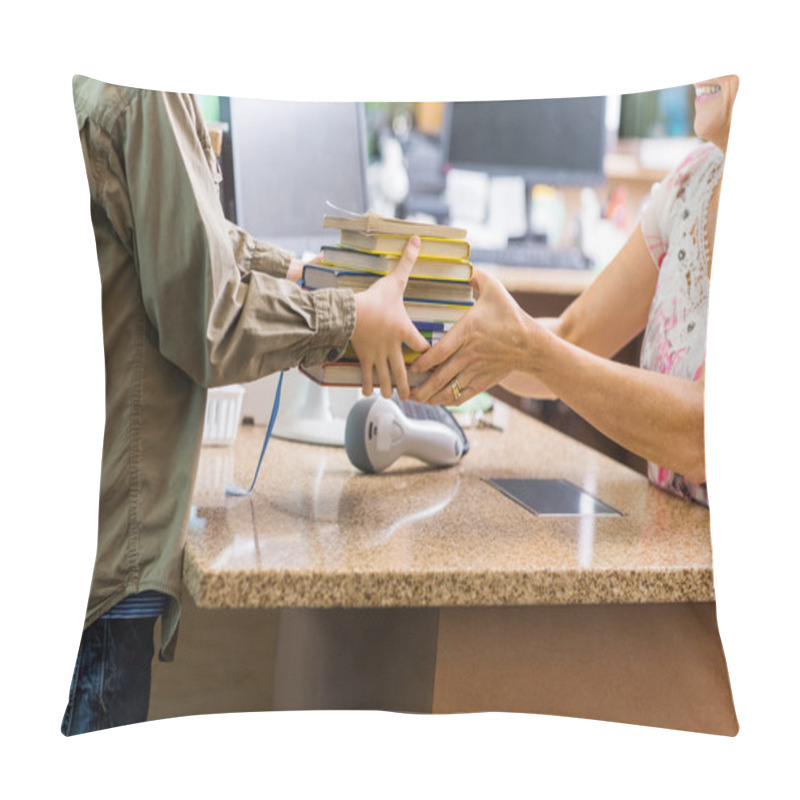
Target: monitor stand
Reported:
point(312, 419)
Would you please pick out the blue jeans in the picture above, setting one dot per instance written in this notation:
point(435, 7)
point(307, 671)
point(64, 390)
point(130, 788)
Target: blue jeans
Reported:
point(111, 681)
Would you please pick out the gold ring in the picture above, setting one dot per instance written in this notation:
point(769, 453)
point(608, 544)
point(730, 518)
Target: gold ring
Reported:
point(456, 388)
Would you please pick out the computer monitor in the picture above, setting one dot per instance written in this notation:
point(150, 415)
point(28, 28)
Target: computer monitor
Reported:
point(290, 159)
point(560, 141)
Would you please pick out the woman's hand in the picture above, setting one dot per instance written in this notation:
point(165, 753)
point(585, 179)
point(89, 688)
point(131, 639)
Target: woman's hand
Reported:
point(493, 339)
point(383, 325)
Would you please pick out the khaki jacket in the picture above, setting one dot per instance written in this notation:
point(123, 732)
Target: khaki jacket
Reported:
point(189, 301)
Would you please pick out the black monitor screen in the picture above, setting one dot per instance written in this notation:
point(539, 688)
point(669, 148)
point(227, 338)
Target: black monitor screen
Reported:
point(289, 160)
point(554, 141)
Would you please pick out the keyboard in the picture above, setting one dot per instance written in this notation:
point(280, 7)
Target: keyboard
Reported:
point(531, 254)
point(423, 411)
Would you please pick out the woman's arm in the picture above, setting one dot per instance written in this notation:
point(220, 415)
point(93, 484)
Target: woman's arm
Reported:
point(614, 309)
point(607, 316)
point(658, 417)
point(602, 320)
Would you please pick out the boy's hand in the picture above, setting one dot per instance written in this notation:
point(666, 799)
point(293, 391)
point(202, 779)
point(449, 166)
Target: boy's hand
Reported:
point(383, 325)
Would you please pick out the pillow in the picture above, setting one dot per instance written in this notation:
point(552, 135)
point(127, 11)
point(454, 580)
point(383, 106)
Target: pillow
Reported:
point(417, 589)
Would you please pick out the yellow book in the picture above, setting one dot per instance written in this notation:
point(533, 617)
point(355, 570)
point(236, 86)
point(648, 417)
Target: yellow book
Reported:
point(441, 279)
point(392, 245)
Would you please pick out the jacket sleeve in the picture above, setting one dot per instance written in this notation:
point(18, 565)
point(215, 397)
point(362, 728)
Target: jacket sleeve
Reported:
point(215, 295)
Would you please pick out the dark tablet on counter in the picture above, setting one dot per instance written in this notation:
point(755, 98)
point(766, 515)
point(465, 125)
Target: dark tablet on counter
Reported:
point(548, 497)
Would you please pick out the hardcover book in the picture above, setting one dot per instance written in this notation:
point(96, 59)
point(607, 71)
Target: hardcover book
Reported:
point(442, 289)
point(372, 223)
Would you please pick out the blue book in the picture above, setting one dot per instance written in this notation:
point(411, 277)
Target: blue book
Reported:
point(435, 327)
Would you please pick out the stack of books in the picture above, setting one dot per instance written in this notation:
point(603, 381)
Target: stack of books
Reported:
point(437, 294)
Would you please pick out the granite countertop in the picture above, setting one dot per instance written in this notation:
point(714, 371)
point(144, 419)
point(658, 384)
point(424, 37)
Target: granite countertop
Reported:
point(318, 533)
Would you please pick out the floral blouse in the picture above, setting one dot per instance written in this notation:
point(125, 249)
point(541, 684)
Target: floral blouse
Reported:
point(674, 223)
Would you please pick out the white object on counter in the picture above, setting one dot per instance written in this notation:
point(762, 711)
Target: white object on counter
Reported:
point(223, 412)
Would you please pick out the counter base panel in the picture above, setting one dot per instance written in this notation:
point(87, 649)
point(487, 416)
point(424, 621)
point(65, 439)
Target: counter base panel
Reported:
point(658, 665)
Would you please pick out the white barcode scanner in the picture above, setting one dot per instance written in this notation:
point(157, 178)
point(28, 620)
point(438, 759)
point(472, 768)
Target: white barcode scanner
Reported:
point(377, 433)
